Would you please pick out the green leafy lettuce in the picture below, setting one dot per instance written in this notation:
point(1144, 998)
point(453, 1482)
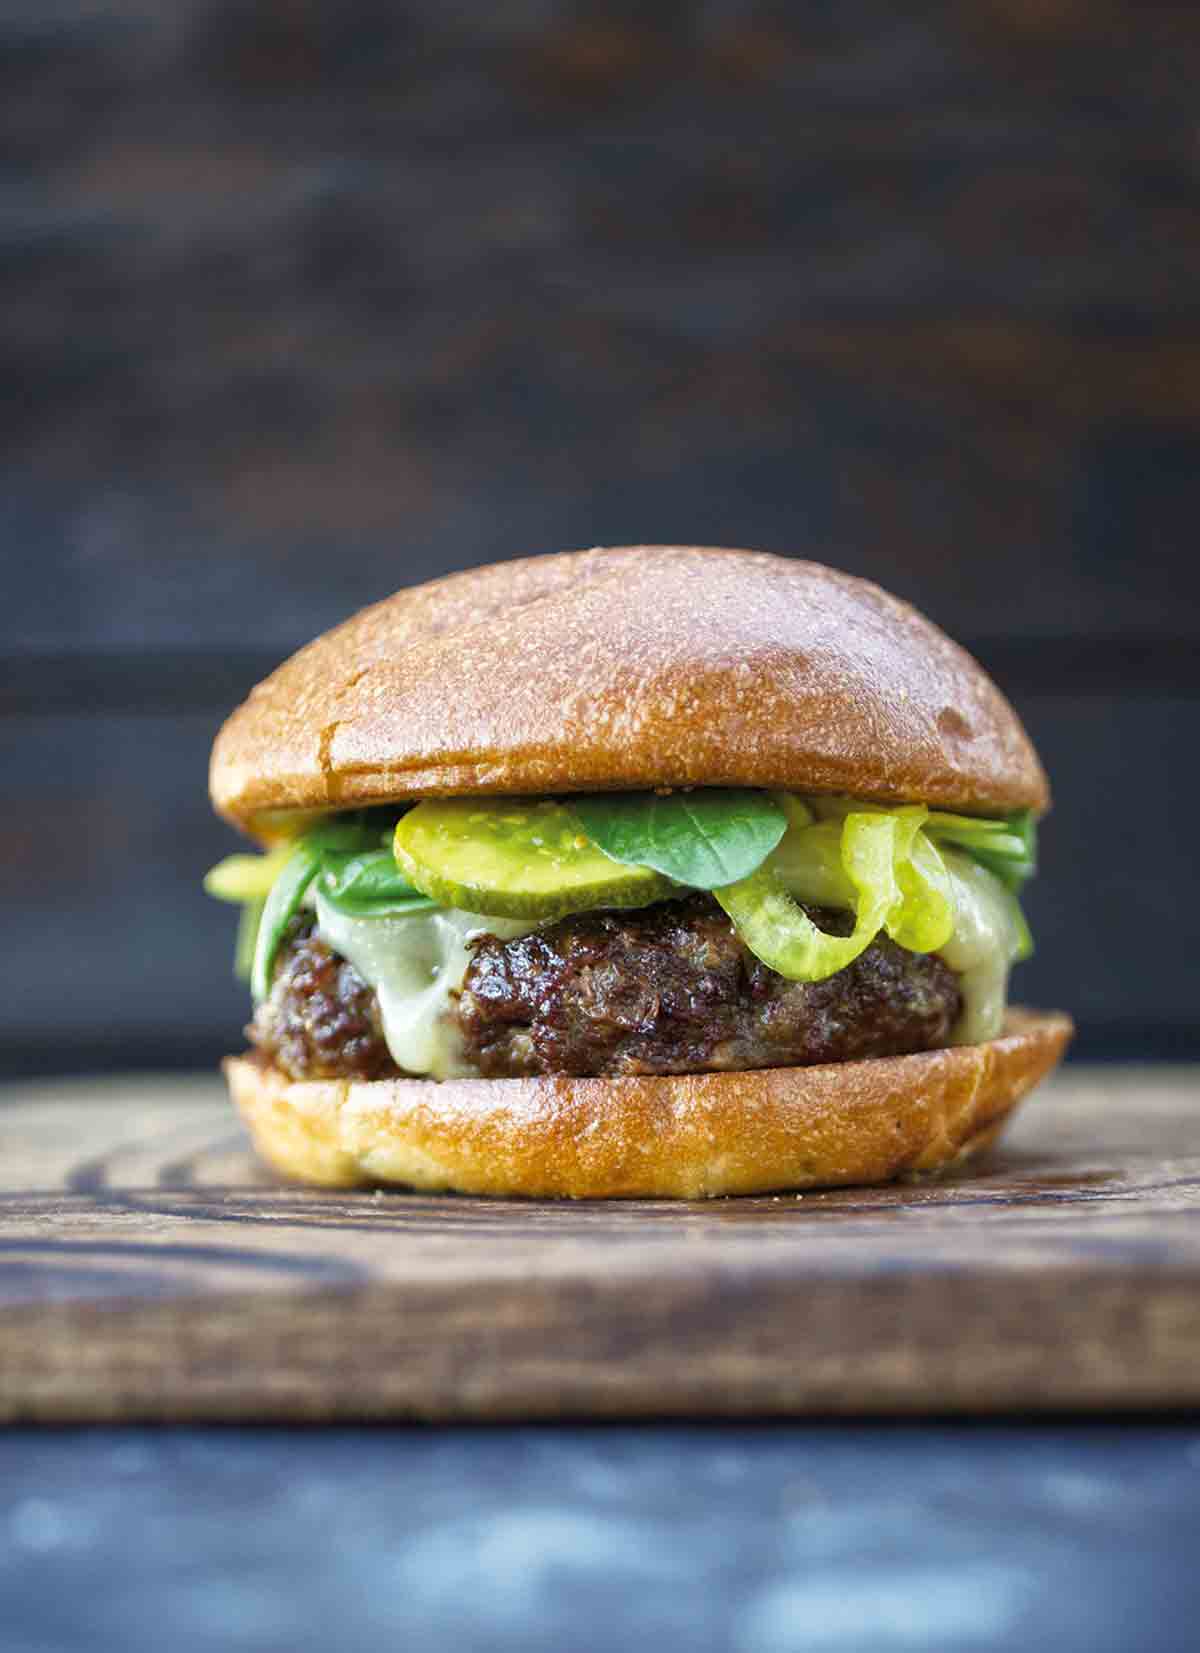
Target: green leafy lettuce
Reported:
point(702, 839)
point(1006, 847)
point(343, 856)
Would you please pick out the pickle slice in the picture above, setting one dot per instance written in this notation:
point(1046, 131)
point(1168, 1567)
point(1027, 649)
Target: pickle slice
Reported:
point(515, 858)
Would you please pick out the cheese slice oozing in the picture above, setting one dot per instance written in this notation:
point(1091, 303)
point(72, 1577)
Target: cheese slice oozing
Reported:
point(415, 963)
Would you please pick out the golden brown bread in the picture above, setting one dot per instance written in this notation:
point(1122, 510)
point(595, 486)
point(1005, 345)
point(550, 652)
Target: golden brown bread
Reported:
point(687, 1136)
point(629, 667)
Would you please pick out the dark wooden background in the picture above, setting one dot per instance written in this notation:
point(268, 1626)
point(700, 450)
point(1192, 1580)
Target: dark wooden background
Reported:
point(300, 302)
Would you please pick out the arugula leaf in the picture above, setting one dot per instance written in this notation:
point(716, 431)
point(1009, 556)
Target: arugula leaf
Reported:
point(357, 877)
point(345, 834)
point(704, 839)
point(287, 892)
point(1007, 847)
point(368, 885)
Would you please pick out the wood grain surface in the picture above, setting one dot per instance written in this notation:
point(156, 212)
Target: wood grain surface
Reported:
point(149, 1269)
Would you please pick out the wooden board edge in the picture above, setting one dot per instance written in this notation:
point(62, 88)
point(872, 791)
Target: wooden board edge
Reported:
point(893, 1346)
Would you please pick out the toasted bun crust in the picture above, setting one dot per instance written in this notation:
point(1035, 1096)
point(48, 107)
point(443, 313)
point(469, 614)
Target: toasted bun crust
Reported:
point(632, 667)
point(687, 1136)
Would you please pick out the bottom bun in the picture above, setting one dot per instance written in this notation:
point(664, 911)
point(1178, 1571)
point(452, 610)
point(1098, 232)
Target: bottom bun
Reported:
point(680, 1136)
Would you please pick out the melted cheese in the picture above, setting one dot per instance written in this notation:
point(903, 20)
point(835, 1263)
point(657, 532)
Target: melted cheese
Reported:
point(986, 939)
point(415, 964)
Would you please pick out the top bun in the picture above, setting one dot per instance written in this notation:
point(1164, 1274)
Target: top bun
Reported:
point(639, 666)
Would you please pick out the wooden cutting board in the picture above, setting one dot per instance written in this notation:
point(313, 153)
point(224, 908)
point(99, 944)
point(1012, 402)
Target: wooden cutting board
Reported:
point(150, 1269)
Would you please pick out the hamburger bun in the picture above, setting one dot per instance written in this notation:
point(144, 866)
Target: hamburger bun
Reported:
point(633, 667)
point(688, 1136)
point(630, 668)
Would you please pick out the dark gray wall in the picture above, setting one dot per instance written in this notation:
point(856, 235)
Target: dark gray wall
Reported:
point(302, 302)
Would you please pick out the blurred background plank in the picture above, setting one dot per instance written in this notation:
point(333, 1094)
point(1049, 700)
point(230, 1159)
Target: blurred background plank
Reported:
point(301, 303)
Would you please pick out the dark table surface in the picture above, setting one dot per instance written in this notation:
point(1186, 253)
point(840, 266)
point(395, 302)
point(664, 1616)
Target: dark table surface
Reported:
point(753, 1539)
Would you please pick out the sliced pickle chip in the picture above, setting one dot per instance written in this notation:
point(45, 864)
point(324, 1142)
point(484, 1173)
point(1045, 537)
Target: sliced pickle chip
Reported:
point(515, 858)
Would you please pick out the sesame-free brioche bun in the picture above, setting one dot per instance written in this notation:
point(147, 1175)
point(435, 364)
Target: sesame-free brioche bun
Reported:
point(652, 665)
point(685, 1136)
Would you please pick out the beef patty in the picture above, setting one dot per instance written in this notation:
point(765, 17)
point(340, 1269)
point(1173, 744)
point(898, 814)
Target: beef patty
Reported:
point(320, 1020)
point(662, 989)
point(671, 989)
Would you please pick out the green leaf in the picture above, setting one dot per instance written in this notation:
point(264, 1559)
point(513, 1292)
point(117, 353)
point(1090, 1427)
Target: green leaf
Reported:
point(346, 834)
point(705, 839)
point(1007, 847)
point(368, 885)
point(363, 881)
point(287, 893)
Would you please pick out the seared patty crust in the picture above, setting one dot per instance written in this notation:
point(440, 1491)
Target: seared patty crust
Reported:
point(671, 989)
point(663, 989)
point(320, 1020)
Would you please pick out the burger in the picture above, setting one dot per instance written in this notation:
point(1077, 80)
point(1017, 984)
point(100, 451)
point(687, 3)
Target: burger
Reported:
point(647, 871)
